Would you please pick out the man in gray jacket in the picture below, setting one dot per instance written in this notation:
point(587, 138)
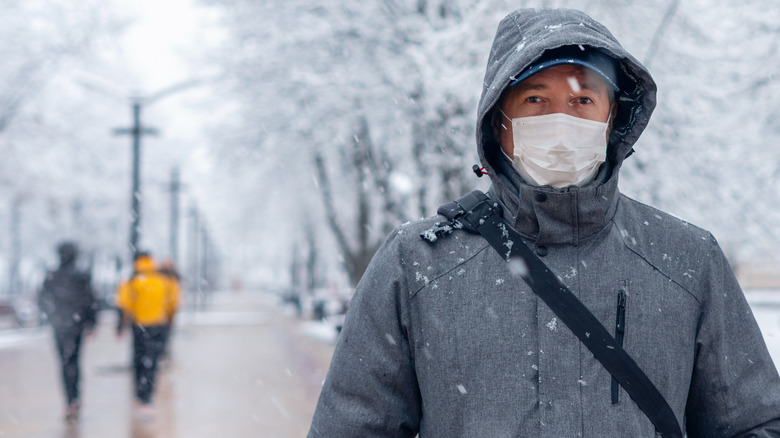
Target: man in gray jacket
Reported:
point(443, 340)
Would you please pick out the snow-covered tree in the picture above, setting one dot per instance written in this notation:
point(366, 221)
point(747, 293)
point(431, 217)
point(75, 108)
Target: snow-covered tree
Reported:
point(50, 157)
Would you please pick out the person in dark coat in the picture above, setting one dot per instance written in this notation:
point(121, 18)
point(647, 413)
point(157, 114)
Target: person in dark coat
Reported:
point(444, 339)
point(68, 303)
point(168, 269)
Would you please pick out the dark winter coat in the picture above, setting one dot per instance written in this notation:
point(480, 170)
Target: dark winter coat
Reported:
point(442, 339)
point(67, 300)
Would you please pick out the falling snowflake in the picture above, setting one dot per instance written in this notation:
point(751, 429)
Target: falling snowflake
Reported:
point(518, 266)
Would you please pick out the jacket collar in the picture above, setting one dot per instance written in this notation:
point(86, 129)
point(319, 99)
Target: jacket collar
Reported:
point(556, 216)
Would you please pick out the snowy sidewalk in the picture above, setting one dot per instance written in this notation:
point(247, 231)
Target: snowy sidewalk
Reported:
point(244, 367)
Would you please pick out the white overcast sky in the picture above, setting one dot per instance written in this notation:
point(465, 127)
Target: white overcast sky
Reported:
point(162, 36)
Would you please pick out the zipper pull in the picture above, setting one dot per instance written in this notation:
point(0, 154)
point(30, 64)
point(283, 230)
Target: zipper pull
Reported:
point(620, 324)
point(620, 329)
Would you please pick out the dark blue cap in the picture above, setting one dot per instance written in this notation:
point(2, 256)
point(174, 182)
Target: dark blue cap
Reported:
point(583, 56)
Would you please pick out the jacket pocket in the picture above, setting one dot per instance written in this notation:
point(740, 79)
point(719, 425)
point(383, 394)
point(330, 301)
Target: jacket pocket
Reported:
point(620, 329)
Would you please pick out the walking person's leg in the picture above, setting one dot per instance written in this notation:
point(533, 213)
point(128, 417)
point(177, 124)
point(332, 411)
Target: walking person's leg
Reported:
point(139, 370)
point(154, 343)
point(69, 346)
point(148, 347)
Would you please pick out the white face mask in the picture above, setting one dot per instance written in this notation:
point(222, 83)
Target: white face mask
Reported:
point(558, 150)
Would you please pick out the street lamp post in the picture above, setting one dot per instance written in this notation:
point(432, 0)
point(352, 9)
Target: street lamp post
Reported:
point(136, 131)
point(174, 188)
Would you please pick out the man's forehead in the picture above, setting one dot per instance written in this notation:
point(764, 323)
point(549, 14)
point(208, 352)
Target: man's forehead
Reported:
point(576, 56)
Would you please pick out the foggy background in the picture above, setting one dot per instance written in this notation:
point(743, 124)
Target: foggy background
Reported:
point(302, 132)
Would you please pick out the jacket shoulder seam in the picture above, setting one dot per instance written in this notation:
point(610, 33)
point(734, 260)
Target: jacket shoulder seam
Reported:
point(657, 268)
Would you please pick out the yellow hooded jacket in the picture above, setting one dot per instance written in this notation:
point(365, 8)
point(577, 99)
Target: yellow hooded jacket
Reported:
point(148, 297)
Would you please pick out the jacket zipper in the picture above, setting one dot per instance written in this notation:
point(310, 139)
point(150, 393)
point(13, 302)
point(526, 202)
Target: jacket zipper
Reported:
point(620, 329)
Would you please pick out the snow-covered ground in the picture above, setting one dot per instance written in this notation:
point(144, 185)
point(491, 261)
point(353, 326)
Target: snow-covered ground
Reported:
point(10, 338)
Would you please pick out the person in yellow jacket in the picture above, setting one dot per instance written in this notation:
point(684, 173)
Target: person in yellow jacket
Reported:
point(147, 300)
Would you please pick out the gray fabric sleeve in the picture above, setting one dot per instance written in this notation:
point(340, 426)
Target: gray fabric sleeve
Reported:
point(735, 389)
point(770, 429)
point(371, 387)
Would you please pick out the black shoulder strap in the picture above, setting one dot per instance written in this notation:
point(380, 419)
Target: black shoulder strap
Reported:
point(477, 212)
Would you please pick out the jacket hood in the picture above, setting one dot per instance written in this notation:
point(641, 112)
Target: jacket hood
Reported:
point(523, 36)
point(570, 214)
point(144, 263)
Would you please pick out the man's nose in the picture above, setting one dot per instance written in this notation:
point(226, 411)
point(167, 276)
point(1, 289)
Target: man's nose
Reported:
point(561, 106)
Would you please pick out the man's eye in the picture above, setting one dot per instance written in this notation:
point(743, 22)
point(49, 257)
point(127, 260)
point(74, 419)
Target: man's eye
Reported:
point(533, 99)
point(584, 100)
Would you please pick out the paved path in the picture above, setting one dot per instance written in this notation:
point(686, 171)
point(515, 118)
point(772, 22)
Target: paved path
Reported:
point(244, 368)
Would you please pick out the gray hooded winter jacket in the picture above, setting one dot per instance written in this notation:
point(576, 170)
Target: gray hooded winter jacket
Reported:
point(442, 340)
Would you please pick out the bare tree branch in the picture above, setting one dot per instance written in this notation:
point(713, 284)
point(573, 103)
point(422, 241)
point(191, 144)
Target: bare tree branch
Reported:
point(330, 210)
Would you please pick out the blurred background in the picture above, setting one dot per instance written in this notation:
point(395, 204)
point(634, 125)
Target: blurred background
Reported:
point(270, 146)
point(280, 142)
